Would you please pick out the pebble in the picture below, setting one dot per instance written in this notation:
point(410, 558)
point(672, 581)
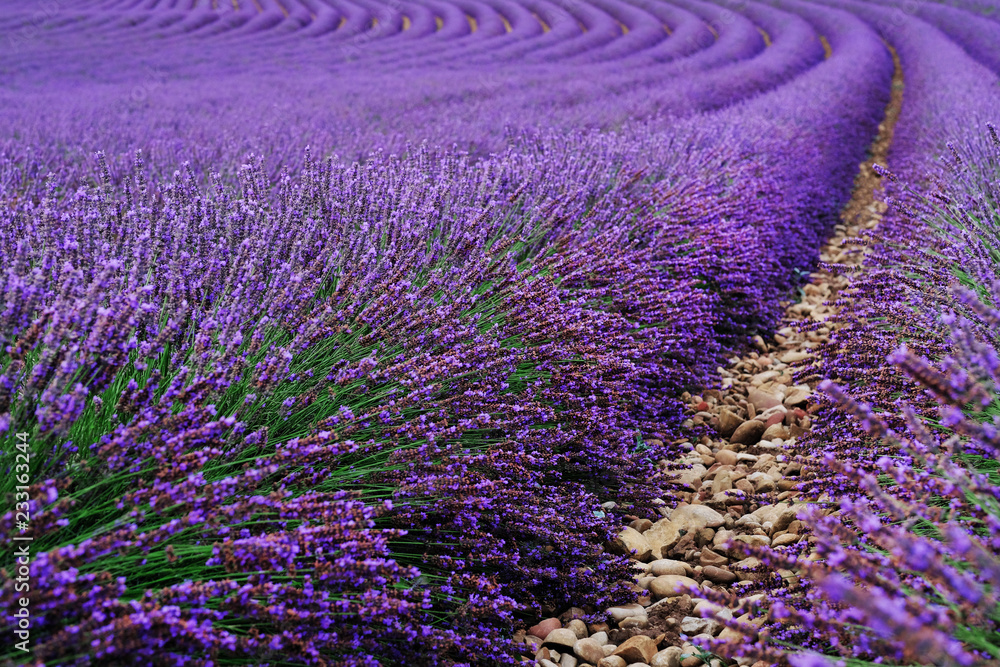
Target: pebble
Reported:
point(589, 651)
point(542, 629)
point(560, 638)
point(636, 649)
point(667, 566)
point(668, 657)
point(622, 612)
point(748, 433)
point(718, 575)
point(693, 517)
point(671, 585)
point(692, 625)
point(631, 542)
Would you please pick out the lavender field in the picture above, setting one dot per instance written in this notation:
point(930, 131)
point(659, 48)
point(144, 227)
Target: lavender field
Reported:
point(569, 333)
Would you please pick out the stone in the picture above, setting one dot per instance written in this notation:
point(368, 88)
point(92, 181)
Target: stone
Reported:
point(784, 519)
point(612, 661)
point(792, 356)
point(722, 482)
point(691, 661)
point(596, 628)
point(693, 625)
point(641, 525)
point(560, 639)
point(631, 542)
point(775, 431)
point(722, 537)
point(726, 457)
point(567, 660)
point(621, 612)
point(748, 433)
point(704, 536)
point(729, 421)
point(693, 517)
point(704, 607)
point(668, 657)
point(766, 513)
point(787, 484)
point(797, 395)
point(754, 540)
point(666, 566)
point(718, 575)
point(709, 558)
point(544, 662)
point(762, 482)
point(729, 635)
point(662, 536)
point(671, 585)
point(770, 422)
point(784, 540)
point(543, 628)
point(763, 399)
point(637, 649)
point(589, 651)
point(634, 622)
point(578, 627)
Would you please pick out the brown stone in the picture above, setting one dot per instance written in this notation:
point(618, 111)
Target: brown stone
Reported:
point(636, 649)
point(661, 537)
point(668, 657)
point(641, 525)
point(561, 639)
point(762, 399)
point(776, 430)
point(631, 542)
point(693, 517)
point(726, 457)
point(542, 629)
point(578, 627)
point(748, 433)
point(718, 575)
point(665, 566)
point(612, 661)
point(589, 651)
point(729, 421)
point(784, 540)
point(670, 585)
point(709, 558)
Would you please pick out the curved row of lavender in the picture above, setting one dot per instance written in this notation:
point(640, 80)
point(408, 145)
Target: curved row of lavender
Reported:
point(362, 404)
point(909, 570)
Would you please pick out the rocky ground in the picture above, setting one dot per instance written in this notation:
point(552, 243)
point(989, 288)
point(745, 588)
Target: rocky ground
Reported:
point(741, 483)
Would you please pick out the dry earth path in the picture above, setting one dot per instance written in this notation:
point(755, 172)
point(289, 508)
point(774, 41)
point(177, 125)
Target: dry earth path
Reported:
point(742, 482)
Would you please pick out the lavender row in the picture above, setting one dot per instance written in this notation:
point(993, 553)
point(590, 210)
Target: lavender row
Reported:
point(909, 562)
point(360, 410)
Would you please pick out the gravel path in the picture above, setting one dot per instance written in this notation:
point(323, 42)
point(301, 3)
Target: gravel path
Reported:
point(742, 482)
